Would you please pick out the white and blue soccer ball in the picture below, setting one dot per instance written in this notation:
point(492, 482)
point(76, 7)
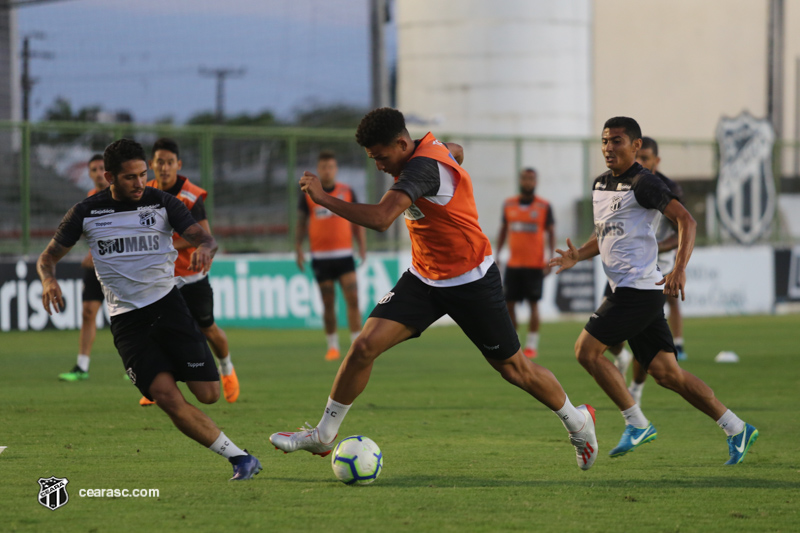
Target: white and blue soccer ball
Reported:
point(357, 460)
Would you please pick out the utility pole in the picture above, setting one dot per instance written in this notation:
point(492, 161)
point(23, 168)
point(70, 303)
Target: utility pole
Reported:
point(775, 45)
point(221, 74)
point(378, 16)
point(27, 81)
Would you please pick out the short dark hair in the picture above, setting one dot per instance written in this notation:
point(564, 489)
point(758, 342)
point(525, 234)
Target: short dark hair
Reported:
point(95, 157)
point(165, 143)
point(326, 155)
point(528, 169)
point(649, 142)
point(631, 127)
point(380, 126)
point(120, 152)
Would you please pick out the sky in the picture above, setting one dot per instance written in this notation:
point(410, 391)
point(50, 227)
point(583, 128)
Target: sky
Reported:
point(145, 56)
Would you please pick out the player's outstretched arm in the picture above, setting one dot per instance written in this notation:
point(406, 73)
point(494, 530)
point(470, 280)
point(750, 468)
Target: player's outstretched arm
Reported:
point(568, 258)
point(206, 247)
point(46, 267)
point(457, 150)
point(674, 282)
point(374, 216)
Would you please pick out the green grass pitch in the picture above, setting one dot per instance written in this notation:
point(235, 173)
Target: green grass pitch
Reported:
point(464, 451)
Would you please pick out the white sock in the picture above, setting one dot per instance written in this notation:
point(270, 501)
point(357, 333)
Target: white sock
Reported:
point(332, 418)
point(333, 340)
point(635, 417)
point(83, 362)
point(572, 419)
point(532, 340)
point(225, 447)
point(636, 388)
point(730, 423)
point(354, 335)
point(225, 365)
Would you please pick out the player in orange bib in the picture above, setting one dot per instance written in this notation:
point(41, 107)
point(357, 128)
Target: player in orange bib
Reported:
point(92, 291)
point(452, 273)
point(527, 219)
point(331, 243)
point(196, 289)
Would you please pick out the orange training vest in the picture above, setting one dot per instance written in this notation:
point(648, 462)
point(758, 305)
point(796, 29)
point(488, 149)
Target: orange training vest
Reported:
point(330, 235)
point(526, 229)
point(446, 240)
point(188, 194)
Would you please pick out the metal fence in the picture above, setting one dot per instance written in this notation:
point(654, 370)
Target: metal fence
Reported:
point(251, 176)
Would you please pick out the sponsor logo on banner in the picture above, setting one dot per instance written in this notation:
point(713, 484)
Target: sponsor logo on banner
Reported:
point(53, 492)
point(745, 187)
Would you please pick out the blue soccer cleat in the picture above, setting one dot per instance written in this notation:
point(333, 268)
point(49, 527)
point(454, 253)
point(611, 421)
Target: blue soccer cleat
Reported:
point(632, 438)
point(244, 467)
point(739, 444)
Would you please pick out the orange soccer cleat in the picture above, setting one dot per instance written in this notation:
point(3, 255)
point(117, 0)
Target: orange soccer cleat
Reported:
point(144, 402)
point(530, 353)
point(332, 354)
point(230, 387)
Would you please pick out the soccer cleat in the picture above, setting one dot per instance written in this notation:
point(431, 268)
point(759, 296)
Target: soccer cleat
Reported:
point(680, 353)
point(332, 354)
point(305, 439)
point(632, 438)
point(530, 353)
point(585, 440)
point(144, 402)
point(623, 361)
point(76, 374)
point(230, 387)
point(244, 467)
point(739, 444)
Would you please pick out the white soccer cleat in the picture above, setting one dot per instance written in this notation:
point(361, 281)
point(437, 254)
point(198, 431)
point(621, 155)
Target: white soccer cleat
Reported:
point(305, 439)
point(585, 440)
point(623, 361)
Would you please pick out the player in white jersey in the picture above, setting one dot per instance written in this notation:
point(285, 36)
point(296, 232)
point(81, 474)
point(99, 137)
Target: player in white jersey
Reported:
point(627, 202)
point(129, 231)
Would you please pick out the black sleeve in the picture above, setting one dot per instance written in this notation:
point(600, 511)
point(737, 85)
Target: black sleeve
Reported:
point(651, 192)
point(550, 221)
point(178, 214)
point(677, 190)
point(71, 227)
point(419, 178)
point(353, 195)
point(198, 210)
point(302, 205)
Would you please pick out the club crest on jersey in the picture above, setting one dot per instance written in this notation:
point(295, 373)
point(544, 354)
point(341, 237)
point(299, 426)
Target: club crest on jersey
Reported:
point(616, 203)
point(147, 218)
point(53, 492)
point(745, 187)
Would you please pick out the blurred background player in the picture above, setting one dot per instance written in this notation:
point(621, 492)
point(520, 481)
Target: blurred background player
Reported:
point(197, 290)
point(667, 237)
point(527, 218)
point(92, 291)
point(331, 242)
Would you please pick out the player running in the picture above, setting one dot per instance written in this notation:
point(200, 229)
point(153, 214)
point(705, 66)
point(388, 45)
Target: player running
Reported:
point(92, 291)
point(527, 218)
point(129, 231)
point(196, 289)
point(452, 273)
point(627, 202)
point(331, 242)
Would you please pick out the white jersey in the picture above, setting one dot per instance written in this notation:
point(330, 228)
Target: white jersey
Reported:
point(627, 209)
point(131, 244)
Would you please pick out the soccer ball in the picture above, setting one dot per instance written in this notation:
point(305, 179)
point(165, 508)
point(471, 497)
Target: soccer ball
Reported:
point(357, 460)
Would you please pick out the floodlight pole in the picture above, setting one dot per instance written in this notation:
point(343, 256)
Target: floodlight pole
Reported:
point(221, 74)
point(27, 82)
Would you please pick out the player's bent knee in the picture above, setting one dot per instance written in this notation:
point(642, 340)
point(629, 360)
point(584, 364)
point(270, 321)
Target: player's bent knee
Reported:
point(208, 393)
point(363, 349)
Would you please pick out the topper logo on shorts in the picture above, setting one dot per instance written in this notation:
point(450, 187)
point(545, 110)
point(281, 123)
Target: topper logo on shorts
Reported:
point(124, 245)
point(195, 365)
point(386, 298)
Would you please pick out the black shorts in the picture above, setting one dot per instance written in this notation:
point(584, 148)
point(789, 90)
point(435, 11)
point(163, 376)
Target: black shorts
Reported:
point(92, 290)
point(162, 337)
point(478, 308)
point(636, 316)
point(332, 269)
point(523, 284)
point(199, 298)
